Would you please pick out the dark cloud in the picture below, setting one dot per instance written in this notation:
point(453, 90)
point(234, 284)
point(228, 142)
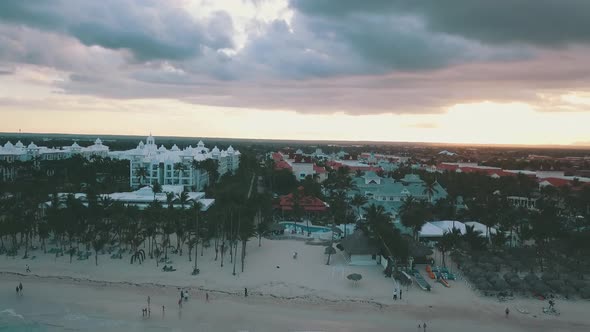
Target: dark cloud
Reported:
point(538, 22)
point(332, 56)
point(148, 29)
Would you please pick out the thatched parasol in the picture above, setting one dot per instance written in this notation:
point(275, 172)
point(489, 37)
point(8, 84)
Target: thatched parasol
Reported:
point(354, 277)
point(329, 250)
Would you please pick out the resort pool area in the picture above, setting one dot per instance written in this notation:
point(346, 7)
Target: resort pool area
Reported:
point(303, 227)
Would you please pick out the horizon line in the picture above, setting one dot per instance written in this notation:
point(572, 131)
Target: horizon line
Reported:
point(571, 146)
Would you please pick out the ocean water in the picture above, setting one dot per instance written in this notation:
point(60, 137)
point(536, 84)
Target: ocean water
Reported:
point(10, 320)
point(13, 321)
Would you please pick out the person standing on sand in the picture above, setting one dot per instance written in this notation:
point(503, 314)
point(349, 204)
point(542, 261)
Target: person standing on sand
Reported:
point(163, 311)
point(245, 292)
point(20, 287)
point(206, 297)
point(28, 269)
point(16, 290)
point(400, 293)
point(507, 312)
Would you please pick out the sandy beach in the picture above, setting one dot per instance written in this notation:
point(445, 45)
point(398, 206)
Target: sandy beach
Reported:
point(284, 295)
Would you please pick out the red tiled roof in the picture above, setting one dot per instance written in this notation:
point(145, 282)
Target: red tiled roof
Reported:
point(308, 203)
point(556, 182)
point(281, 164)
point(319, 170)
point(447, 167)
point(276, 156)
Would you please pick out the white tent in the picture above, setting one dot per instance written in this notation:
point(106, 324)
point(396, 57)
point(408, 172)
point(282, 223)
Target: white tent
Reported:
point(430, 230)
point(449, 225)
point(479, 227)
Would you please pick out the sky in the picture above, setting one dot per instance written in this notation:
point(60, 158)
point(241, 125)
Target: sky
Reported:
point(453, 71)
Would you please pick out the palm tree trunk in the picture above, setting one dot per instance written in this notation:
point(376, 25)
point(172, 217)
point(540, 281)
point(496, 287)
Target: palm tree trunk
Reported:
point(243, 254)
point(27, 246)
point(216, 244)
point(236, 246)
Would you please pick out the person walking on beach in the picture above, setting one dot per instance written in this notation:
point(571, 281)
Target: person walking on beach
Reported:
point(245, 292)
point(16, 290)
point(206, 297)
point(28, 269)
point(20, 287)
point(163, 311)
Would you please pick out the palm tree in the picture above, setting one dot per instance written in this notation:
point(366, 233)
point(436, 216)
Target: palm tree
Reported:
point(183, 199)
point(170, 198)
point(358, 201)
point(138, 256)
point(156, 189)
point(196, 207)
point(447, 243)
point(473, 239)
point(430, 189)
point(98, 244)
point(413, 214)
point(142, 174)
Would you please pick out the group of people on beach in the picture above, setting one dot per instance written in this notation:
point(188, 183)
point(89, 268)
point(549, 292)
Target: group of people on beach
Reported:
point(19, 289)
point(184, 294)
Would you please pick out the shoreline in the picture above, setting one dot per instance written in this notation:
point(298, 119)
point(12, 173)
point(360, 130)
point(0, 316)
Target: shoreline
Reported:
point(115, 303)
point(304, 294)
point(303, 299)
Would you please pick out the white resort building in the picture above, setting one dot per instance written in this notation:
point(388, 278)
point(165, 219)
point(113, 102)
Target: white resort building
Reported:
point(18, 152)
point(150, 164)
point(144, 196)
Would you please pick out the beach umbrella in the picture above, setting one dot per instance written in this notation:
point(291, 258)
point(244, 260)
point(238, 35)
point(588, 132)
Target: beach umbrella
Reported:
point(330, 250)
point(354, 277)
